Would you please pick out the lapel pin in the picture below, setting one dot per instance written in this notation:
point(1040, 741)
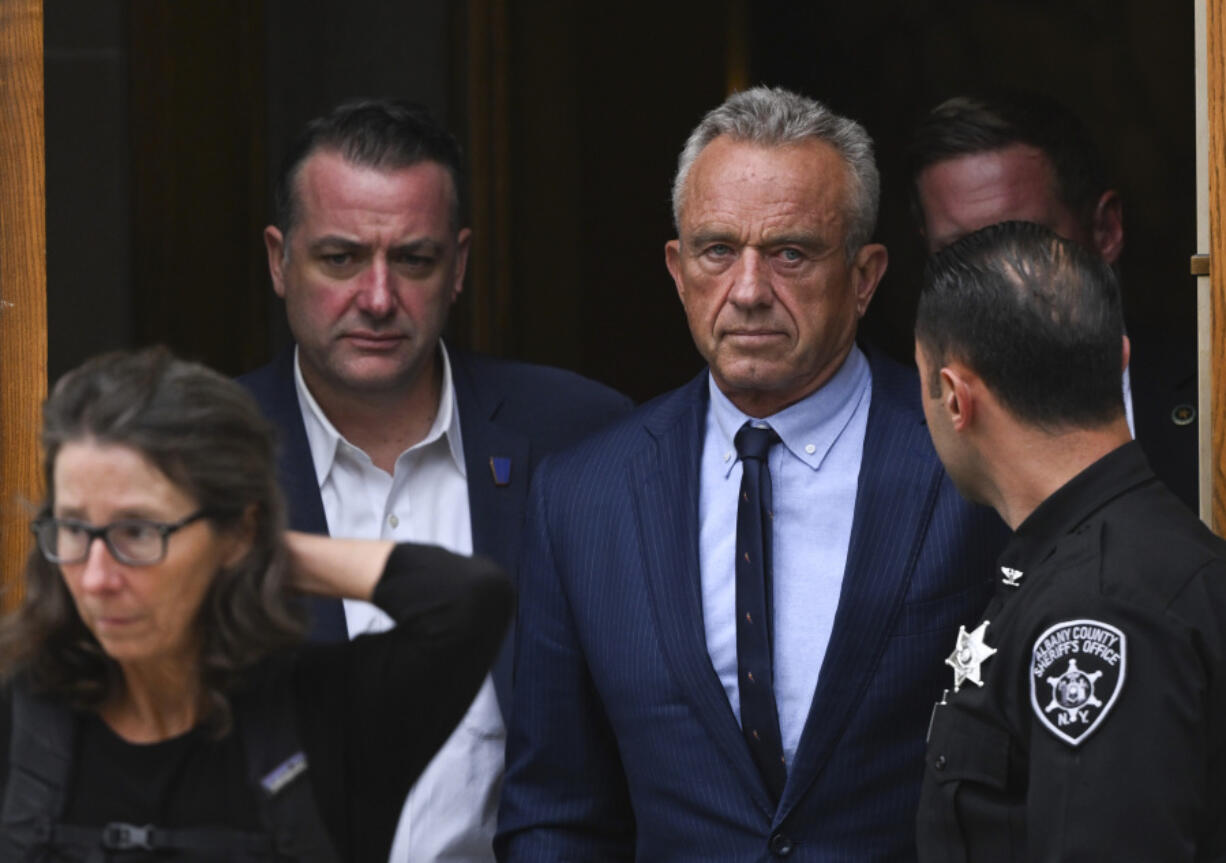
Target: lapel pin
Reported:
point(500, 469)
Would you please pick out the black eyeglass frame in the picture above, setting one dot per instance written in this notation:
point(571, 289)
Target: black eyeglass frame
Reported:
point(164, 529)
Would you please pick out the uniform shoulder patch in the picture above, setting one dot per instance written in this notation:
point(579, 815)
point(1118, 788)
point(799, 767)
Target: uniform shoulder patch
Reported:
point(1076, 674)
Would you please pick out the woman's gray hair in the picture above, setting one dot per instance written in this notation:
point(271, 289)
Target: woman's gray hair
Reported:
point(205, 433)
point(774, 117)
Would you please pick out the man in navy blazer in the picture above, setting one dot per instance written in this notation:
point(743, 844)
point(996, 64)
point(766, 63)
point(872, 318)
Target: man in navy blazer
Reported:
point(627, 740)
point(1017, 156)
point(386, 432)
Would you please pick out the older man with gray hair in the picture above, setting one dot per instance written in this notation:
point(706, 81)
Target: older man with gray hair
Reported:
point(734, 603)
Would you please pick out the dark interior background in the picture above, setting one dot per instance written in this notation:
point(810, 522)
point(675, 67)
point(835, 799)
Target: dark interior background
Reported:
point(165, 122)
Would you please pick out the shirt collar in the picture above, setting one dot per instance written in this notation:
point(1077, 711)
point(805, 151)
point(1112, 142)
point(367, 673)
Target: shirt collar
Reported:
point(809, 428)
point(324, 440)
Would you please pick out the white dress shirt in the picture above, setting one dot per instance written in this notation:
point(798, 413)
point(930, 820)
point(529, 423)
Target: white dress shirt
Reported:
point(1132, 424)
point(451, 811)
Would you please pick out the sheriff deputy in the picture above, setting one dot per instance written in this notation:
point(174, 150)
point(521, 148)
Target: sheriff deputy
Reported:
point(1086, 716)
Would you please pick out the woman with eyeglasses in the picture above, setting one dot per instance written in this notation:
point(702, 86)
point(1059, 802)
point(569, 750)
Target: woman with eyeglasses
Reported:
point(159, 702)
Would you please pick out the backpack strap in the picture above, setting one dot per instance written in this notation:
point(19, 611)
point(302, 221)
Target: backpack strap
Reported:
point(41, 747)
point(204, 843)
point(279, 768)
point(41, 744)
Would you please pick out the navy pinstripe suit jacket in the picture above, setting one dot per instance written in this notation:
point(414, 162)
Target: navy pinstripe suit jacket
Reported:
point(507, 409)
point(622, 742)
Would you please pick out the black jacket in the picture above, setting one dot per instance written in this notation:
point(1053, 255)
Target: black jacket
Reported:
point(1098, 732)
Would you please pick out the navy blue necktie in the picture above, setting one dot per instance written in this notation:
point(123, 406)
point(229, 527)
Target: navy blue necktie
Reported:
point(755, 674)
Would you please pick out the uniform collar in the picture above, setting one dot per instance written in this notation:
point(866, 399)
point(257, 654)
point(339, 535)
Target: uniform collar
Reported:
point(1119, 471)
point(325, 441)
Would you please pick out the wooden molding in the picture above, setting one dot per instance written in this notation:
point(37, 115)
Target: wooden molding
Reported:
point(1216, 74)
point(23, 280)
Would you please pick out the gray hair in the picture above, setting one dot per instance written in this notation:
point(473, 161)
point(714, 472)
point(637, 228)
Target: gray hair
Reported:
point(206, 434)
point(774, 117)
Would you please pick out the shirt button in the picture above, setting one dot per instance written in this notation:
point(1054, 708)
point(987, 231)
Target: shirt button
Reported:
point(781, 845)
point(727, 456)
point(810, 448)
point(940, 762)
point(393, 521)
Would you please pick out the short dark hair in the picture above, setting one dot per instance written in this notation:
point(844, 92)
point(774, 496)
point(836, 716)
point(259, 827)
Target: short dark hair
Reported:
point(965, 125)
point(206, 434)
point(1036, 316)
point(386, 134)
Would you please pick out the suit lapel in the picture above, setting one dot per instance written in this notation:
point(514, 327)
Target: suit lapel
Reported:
point(496, 508)
point(664, 481)
point(279, 400)
point(897, 489)
point(278, 397)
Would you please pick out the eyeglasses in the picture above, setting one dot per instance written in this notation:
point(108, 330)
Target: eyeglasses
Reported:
point(134, 541)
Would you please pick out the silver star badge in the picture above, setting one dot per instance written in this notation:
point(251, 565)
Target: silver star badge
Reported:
point(1012, 577)
point(969, 654)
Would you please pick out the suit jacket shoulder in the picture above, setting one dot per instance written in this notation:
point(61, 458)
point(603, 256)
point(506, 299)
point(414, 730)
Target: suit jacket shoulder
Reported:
point(505, 407)
point(272, 386)
point(677, 414)
point(897, 387)
point(553, 406)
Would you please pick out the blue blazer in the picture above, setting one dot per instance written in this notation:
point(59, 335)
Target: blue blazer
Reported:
point(507, 410)
point(622, 742)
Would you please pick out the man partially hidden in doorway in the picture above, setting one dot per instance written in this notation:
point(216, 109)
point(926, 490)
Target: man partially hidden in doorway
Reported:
point(976, 161)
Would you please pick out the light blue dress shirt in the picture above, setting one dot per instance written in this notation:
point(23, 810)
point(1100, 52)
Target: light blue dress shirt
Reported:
point(814, 474)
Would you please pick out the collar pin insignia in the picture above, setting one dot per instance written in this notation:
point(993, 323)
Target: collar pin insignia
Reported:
point(969, 655)
point(1012, 577)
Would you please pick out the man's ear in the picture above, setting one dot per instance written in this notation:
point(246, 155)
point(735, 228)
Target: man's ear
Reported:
point(463, 244)
point(867, 268)
point(1107, 226)
point(1126, 353)
point(274, 244)
point(672, 260)
point(957, 396)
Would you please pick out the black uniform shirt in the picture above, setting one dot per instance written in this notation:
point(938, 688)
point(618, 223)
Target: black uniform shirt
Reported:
point(1099, 729)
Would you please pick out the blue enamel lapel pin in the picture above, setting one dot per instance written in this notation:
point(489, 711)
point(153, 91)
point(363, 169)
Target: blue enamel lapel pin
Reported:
point(500, 468)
